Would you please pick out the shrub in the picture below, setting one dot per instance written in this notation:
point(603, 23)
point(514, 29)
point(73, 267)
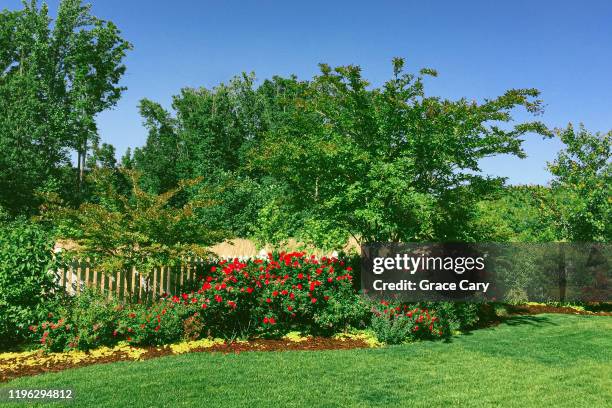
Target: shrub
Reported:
point(271, 297)
point(26, 278)
point(398, 323)
point(160, 323)
point(81, 322)
point(456, 315)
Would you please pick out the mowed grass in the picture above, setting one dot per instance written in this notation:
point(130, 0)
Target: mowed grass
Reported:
point(530, 361)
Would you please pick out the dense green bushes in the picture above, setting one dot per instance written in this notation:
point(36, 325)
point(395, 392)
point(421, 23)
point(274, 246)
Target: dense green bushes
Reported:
point(245, 299)
point(26, 278)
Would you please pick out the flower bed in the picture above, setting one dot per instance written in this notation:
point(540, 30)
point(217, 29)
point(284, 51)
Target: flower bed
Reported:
point(13, 365)
point(248, 299)
point(244, 299)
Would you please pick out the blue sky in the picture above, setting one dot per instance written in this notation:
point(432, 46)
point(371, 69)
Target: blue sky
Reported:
point(480, 49)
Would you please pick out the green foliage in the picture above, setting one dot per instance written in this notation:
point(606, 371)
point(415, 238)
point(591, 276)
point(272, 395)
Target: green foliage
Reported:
point(55, 77)
point(337, 157)
point(140, 230)
point(583, 173)
point(400, 323)
point(518, 214)
point(459, 315)
point(26, 277)
point(390, 163)
point(79, 322)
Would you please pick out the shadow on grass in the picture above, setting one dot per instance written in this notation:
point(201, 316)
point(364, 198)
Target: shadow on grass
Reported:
point(513, 320)
point(530, 320)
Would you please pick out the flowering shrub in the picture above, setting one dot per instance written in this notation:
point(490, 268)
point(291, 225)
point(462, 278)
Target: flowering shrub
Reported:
point(83, 322)
point(271, 297)
point(397, 323)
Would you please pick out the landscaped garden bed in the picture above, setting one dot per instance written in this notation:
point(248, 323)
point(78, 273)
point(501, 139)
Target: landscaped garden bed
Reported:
point(14, 365)
point(19, 364)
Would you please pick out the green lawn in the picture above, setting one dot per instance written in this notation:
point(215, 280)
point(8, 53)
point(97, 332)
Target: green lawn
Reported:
point(544, 360)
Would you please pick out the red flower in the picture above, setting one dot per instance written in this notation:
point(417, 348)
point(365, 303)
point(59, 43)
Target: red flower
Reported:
point(204, 305)
point(275, 293)
point(218, 298)
point(268, 300)
point(326, 298)
point(272, 321)
point(213, 269)
point(289, 308)
point(284, 292)
point(313, 300)
point(266, 320)
point(292, 295)
point(249, 290)
point(330, 280)
point(300, 275)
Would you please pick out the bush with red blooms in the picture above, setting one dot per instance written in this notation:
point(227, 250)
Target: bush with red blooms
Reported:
point(286, 291)
point(399, 323)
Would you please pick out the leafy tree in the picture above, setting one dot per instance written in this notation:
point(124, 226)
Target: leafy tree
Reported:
point(207, 137)
point(55, 77)
point(102, 156)
point(390, 163)
point(119, 231)
point(583, 173)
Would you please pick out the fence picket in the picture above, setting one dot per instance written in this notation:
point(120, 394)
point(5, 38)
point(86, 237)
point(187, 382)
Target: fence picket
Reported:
point(76, 275)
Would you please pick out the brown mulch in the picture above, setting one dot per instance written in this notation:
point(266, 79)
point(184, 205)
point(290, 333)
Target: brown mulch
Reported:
point(537, 309)
point(313, 343)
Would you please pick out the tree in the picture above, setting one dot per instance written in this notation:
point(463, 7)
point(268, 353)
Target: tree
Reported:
point(206, 138)
point(583, 173)
point(519, 214)
point(120, 231)
point(55, 77)
point(390, 163)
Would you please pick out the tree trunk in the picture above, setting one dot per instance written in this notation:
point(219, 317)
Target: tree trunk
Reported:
point(562, 273)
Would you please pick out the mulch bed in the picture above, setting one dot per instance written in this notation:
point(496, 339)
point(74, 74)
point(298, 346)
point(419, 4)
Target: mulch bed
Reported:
point(313, 343)
point(537, 309)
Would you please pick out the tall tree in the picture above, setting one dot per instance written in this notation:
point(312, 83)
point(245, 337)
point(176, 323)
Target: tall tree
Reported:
point(55, 77)
point(583, 174)
point(390, 163)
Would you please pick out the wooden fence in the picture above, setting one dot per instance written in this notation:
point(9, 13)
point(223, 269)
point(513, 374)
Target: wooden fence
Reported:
point(76, 276)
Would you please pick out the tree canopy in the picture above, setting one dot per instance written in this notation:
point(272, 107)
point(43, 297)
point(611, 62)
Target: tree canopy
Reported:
point(55, 77)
